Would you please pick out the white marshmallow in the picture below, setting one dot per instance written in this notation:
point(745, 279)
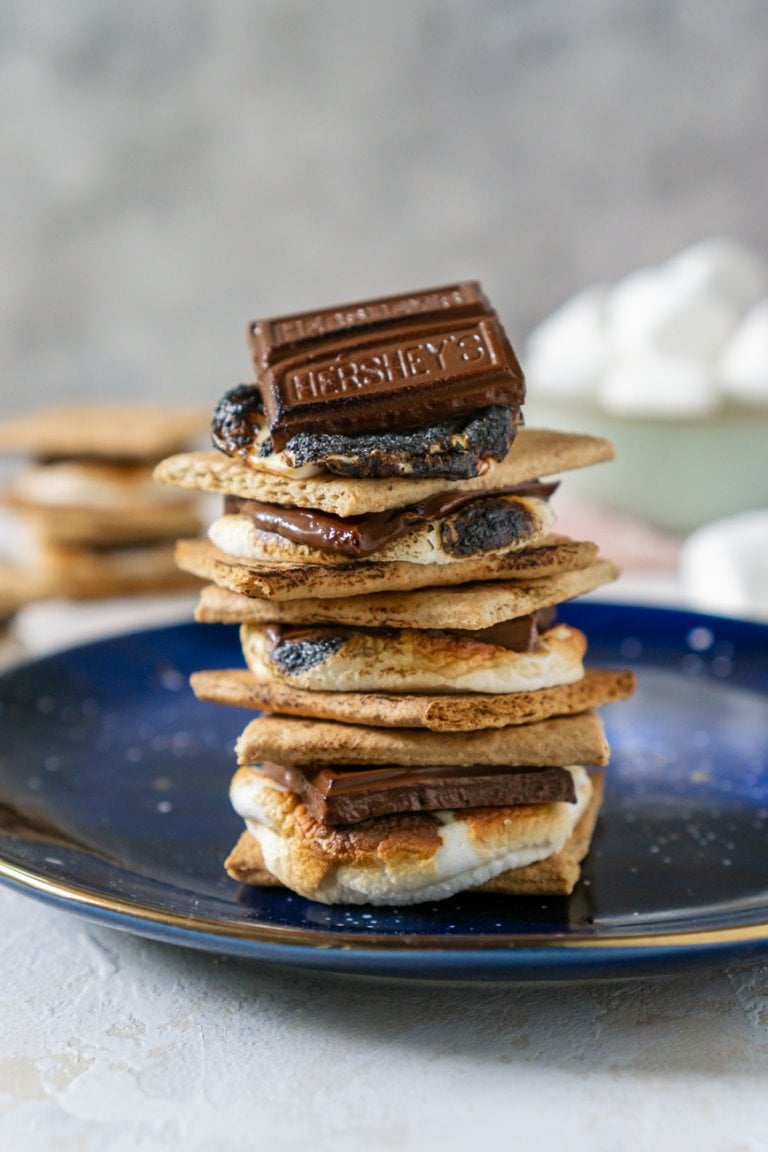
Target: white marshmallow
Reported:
point(730, 268)
point(724, 566)
point(671, 340)
point(421, 544)
point(665, 310)
point(744, 364)
point(651, 385)
point(567, 352)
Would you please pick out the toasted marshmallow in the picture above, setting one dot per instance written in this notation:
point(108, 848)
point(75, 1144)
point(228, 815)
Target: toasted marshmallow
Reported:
point(529, 520)
point(399, 859)
point(263, 458)
point(410, 660)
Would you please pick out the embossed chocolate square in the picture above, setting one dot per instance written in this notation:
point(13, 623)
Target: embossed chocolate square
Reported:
point(396, 362)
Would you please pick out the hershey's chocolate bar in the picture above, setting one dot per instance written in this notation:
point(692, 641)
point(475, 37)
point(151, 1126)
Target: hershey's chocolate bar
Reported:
point(284, 336)
point(381, 375)
point(343, 795)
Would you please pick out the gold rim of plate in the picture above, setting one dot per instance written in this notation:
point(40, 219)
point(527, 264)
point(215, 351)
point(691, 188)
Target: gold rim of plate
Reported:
point(408, 942)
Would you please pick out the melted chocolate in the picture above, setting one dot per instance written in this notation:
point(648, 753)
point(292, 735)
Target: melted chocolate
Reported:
point(360, 536)
point(296, 648)
point(346, 795)
point(518, 635)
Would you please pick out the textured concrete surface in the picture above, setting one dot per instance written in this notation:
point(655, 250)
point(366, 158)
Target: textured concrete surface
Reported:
point(169, 171)
point(110, 1041)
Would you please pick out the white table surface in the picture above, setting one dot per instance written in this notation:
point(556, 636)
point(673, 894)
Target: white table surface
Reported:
point(109, 1041)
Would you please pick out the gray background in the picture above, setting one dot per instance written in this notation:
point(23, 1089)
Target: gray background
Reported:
point(171, 170)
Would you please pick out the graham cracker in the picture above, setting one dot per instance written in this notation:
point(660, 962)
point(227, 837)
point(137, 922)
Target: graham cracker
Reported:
point(78, 573)
point(555, 876)
point(118, 431)
point(359, 577)
point(459, 713)
point(466, 606)
point(245, 864)
point(535, 453)
point(557, 742)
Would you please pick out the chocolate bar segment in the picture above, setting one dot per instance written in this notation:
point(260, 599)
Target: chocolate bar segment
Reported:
point(286, 336)
point(346, 795)
point(411, 376)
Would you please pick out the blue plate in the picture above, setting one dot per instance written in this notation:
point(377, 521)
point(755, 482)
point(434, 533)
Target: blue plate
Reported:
point(113, 804)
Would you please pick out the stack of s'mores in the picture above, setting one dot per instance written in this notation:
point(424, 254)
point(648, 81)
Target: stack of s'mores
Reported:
point(427, 725)
point(94, 523)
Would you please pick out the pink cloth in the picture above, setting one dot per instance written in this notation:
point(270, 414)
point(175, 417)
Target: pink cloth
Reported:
point(630, 543)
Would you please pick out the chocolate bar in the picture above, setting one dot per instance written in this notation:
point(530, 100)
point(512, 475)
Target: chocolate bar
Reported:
point(285, 336)
point(343, 795)
point(379, 376)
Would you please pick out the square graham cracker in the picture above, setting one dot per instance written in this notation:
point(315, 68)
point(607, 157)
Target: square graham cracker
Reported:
point(460, 713)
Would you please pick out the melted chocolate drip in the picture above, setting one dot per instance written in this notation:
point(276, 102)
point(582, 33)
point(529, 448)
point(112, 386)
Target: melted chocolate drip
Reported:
point(298, 648)
point(360, 536)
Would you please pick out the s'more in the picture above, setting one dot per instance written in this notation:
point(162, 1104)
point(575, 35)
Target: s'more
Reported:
point(93, 521)
point(422, 722)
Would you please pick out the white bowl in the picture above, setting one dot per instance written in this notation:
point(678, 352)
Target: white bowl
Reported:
point(676, 474)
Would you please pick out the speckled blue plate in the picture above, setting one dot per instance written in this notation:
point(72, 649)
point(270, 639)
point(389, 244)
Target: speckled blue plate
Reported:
point(113, 804)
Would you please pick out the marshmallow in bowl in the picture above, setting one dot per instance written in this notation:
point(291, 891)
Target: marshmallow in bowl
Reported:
point(665, 310)
point(674, 340)
point(723, 266)
point(569, 351)
point(654, 385)
point(744, 365)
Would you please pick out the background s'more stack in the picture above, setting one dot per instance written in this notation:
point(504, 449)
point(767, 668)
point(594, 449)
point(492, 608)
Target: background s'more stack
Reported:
point(387, 547)
point(93, 521)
